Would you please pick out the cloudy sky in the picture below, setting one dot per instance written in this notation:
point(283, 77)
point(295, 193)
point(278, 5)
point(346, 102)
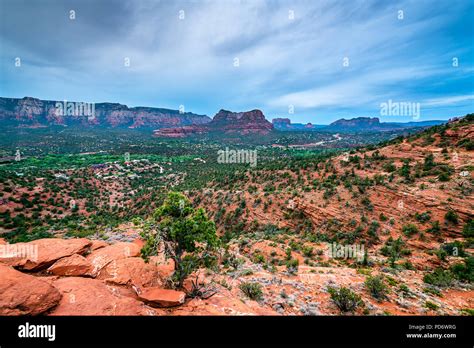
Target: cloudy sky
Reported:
point(323, 60)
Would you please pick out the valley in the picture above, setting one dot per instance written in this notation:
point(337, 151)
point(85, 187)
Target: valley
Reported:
point(402, 199)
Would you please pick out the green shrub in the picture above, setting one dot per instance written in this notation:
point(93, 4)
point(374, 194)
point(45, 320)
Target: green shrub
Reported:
point(467, 311)
point(409, 230)
point(439, 277)
point(259, 258)
point(423, 217)
point(443, 177)
point(451, 217)
point(345, 299)
point(455, 248)
point(404, 290)
point(468, 230)
point(433, 291)
point(252, 290)
point(292, 265)
point(464, 271)
point(376, 287)
point(431, 305)
point(307, 251)
point(435, 228)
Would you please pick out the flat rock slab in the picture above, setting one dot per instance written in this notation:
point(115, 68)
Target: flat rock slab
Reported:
point(158, 297)
point(42, 253)
point(103, 256)
point(132, 271)
point(97, 244)
point(74, 265)
point(24, 294)
point(87, 296)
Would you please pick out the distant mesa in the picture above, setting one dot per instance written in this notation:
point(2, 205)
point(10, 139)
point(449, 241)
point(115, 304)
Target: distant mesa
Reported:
point(248, 122)
point(241, 122)
point(373, 124)
point(33, 113)
point(281, 123)
point(358, 124)
point(284, 124)
point(179, 132)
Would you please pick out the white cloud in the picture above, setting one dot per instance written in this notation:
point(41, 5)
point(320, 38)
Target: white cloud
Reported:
point(451, 100)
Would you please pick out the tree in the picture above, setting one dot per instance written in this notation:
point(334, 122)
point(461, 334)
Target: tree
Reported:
point(187, 235)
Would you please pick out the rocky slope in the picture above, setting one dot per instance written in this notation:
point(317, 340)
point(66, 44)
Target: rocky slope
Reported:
point(279, 227)
point(86, 277)
point(417, 190)
point(32, 112)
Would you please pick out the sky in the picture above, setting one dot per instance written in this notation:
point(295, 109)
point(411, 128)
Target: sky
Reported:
point(311, 61)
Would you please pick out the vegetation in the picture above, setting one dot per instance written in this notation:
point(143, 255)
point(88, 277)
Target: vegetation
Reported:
point(345, 299)
point(451, 217)
point(181, 229)
point(468, 230)
point(252, 290)
point(439, 277)
point(376, 287)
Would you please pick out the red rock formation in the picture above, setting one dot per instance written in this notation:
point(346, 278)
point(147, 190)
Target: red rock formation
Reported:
point(250, 122)
point(132, 271)
point(74, 265)
point(42, 253)
point(103, 256)
point(241, 122)
point(23, 294)
point(158, 297)
point(86, 296)
point(32, 112)
point(179, 132)
point(282, 121)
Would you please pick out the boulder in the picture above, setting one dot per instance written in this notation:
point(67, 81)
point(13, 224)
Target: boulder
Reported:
point(103, 256)
point(222, 303)
point(42, 253)
point(158, 297)
point(97, 244)
point(74, 265)
point(165, 266)
point(24, 294)
point(87, 296)
point(132, 271)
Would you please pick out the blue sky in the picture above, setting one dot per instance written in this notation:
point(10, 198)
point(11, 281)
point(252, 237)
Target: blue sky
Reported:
point(238, 55)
